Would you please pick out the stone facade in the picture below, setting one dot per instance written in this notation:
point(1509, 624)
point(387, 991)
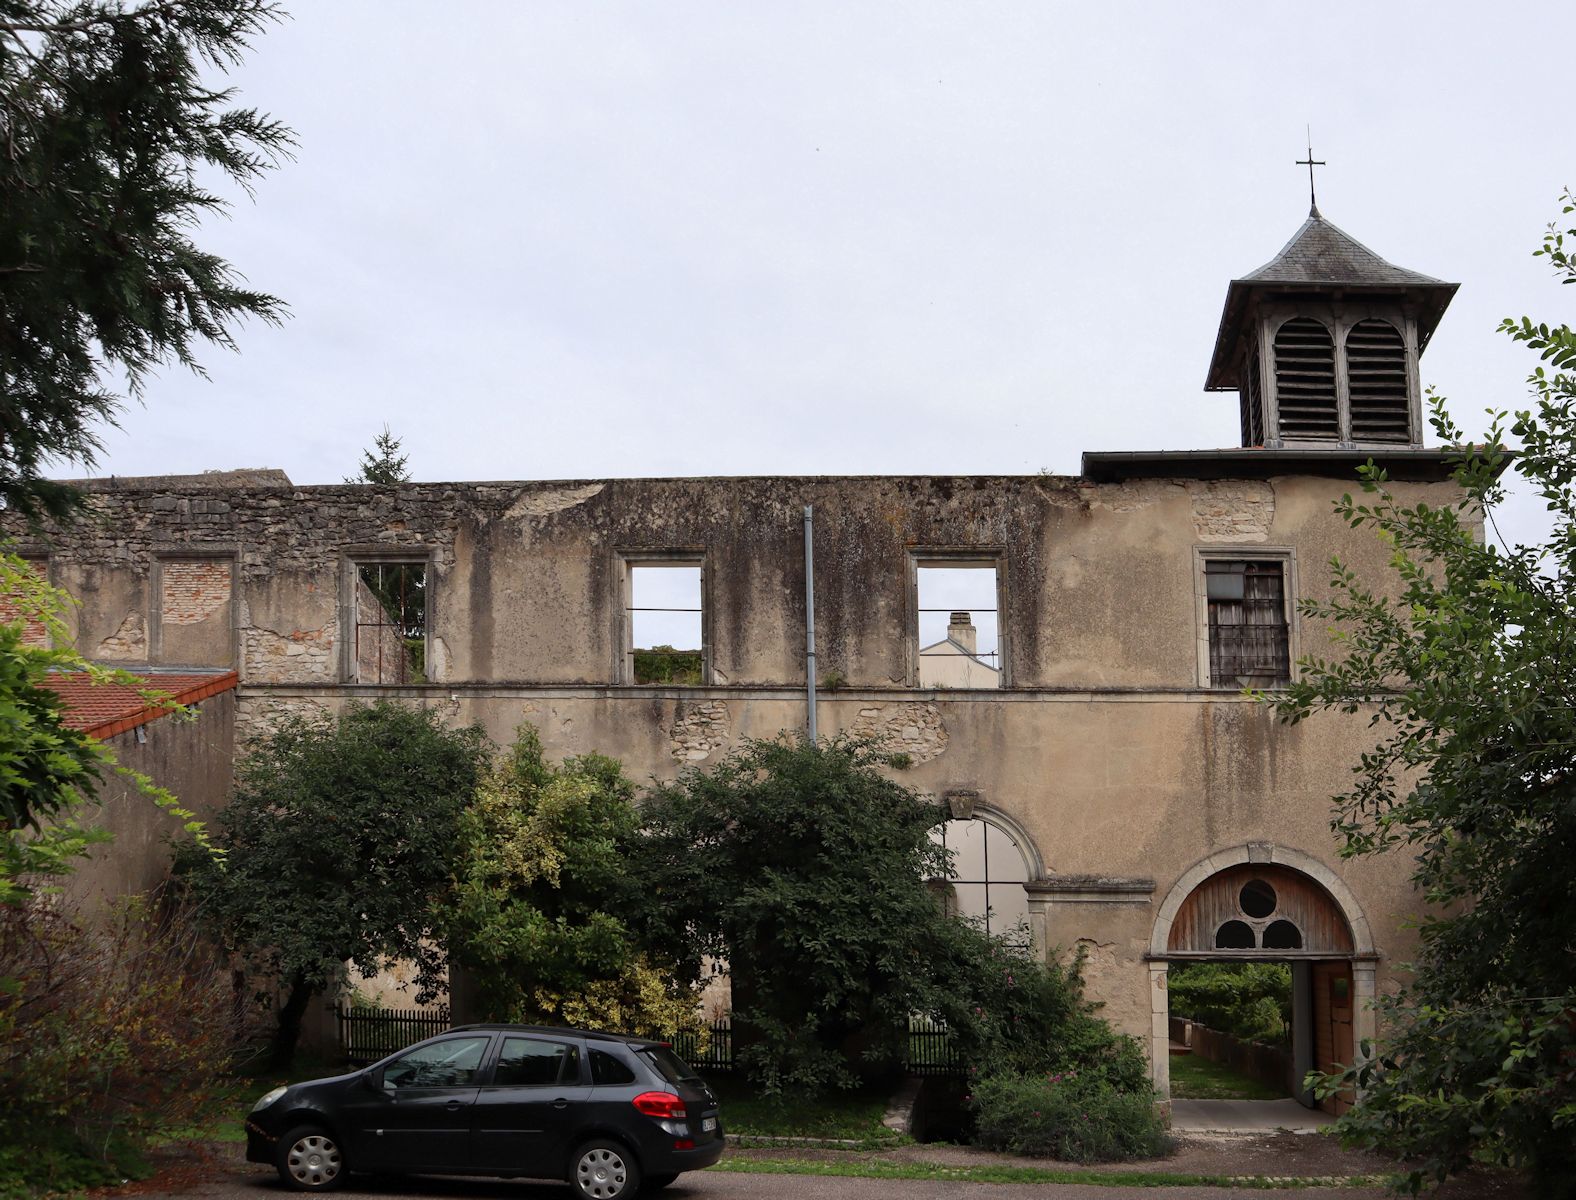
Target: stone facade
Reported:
point(1118, 769)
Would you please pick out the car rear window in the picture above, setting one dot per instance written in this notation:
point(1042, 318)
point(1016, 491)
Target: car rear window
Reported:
point(669, 1065)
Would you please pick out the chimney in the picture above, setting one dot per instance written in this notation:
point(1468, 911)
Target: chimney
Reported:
point(961, 630)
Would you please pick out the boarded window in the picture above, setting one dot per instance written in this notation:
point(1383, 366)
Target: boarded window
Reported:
point(1305, 381)
point(665, 639)
point(959, 627)
point(1376, 369)
point(390, 637)
point(987, 876)
point(1249, 639)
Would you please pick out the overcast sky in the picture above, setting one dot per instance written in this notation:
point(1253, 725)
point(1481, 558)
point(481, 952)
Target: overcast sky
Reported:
point(573, 239)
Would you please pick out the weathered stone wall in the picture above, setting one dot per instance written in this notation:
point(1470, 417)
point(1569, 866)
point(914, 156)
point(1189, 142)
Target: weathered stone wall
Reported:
point(1102, 745)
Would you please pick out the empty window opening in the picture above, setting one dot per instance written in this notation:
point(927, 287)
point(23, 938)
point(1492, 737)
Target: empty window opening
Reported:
point(390, 639)
point(1282, 935)
point(665, 642)
point(1249, 637)
point(1376, 371)
point(988, 871)
point(1257, 899)
point(959, 630)
point(1305, 381)
point(1234, 935)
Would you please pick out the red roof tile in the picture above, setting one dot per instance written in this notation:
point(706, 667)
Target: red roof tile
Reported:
point(103, 710)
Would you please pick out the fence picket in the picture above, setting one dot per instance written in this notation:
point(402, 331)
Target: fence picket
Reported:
point(368, 1034)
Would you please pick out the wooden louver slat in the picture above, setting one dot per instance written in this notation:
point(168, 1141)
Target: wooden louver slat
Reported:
point(1376, 369)
point(1305, 381)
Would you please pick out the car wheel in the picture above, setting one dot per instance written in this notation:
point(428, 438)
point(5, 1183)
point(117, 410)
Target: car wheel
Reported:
point(604, 1170)
point(310, 1160)
point(658, 1182)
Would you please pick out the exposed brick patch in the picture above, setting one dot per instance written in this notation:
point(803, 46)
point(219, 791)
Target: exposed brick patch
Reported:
point(914, 729)
point(193, 591)
point(700, 731)
point(34, 632)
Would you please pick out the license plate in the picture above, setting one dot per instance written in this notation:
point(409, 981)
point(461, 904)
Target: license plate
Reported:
point(707, 1124)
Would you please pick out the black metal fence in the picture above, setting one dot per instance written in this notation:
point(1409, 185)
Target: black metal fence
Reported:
point(930, 1049)
point(710, 1049)
point(368, 1034)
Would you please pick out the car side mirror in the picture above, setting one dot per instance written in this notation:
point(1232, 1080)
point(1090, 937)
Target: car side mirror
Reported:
point(373, 1080)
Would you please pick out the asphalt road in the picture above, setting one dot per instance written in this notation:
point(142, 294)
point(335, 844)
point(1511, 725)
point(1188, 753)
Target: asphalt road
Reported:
point(260, 1183)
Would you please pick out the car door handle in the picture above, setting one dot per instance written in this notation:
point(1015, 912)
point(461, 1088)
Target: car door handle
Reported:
point(560, 1103)
point(453, 1106)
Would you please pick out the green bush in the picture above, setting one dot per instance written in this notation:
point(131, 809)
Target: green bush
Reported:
point(1070, 1116)
point(1011, 1011)
point(1251, 1001)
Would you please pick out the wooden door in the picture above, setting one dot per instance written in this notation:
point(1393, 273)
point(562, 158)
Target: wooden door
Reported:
point(1333, 1046)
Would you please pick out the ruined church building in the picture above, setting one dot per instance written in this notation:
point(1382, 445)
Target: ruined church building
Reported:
point(1063, 658)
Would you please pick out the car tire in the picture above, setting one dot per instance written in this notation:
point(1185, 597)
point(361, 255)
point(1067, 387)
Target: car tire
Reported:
point(655, 1183)
point(604, 1170)
point(309, 1160)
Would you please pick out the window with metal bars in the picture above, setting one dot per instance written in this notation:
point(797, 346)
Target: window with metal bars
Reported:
point(1249, 636)
point(1377, 383)
point(664, 623)
point(988, 871)
point(389, 637)
point(1305, 381)
point(959, 631)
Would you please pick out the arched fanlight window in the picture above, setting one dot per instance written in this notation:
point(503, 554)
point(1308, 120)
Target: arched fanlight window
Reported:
point(1376, 369)
point(989, 870)
point(1305, 381)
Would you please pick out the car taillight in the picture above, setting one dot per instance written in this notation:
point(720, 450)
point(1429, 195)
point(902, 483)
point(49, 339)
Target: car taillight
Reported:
point(660, 1105)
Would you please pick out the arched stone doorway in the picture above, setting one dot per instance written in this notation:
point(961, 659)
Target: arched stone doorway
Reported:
point(1264, 902)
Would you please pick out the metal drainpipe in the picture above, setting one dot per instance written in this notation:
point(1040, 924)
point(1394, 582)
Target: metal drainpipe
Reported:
point(809, 614)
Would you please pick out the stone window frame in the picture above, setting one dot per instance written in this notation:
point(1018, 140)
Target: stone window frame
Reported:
point(223, 552)
point(1245, 552)
point(624, 563)
point(995, 557)
point(351, 559)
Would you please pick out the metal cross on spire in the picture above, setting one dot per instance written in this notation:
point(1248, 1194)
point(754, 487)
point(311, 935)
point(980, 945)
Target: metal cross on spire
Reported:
point(1310, 162)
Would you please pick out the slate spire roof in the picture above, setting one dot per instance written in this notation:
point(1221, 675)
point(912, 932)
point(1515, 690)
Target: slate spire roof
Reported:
point(1320, 258)
point(1321, 252)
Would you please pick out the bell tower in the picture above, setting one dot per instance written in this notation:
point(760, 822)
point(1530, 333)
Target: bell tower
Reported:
point(1322, 343)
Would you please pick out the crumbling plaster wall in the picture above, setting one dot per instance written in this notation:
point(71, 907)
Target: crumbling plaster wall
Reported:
point(1104, 748)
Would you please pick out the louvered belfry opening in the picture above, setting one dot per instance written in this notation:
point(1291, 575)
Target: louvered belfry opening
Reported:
point(1253, 407)
point(1305, 381)
point(1376, 369)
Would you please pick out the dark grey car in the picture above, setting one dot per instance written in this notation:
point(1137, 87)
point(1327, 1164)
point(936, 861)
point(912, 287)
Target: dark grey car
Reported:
point(607, 1113)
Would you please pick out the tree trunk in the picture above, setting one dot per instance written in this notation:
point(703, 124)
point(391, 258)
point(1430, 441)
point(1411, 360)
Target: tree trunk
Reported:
point(283, 1048)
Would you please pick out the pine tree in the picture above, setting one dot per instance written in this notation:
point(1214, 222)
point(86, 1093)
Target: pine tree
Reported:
point(383, 463)
point(108, 118)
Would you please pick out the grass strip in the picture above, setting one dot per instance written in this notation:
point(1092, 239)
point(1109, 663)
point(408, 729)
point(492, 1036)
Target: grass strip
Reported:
point(1005, 1174)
